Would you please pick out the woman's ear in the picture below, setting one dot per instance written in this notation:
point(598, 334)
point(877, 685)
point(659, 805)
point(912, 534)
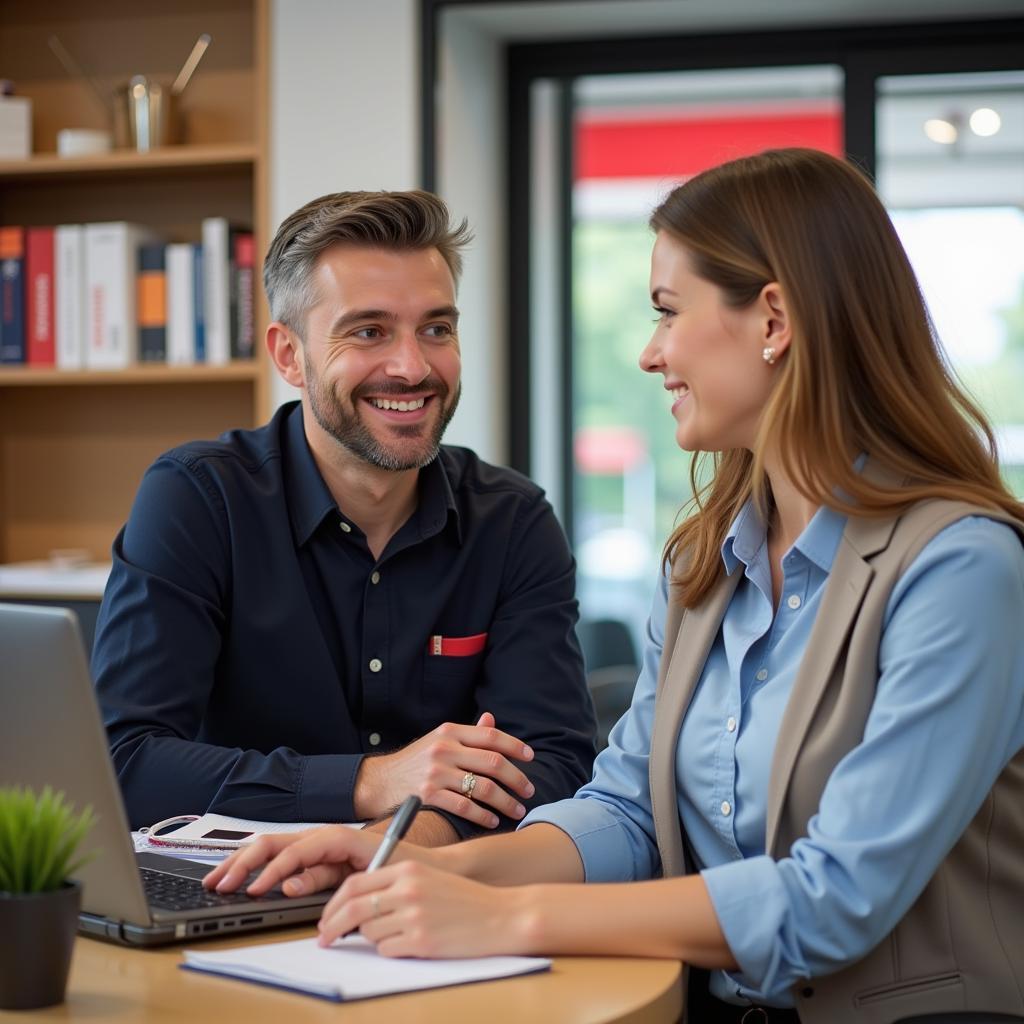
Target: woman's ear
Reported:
point(283, 347)
point(776, 325)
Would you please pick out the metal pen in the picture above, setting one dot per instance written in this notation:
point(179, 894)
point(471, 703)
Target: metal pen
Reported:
point(396, 831)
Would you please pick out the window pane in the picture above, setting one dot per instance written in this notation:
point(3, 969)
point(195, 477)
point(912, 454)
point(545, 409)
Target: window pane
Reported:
point(951, 171)
point(636, 137)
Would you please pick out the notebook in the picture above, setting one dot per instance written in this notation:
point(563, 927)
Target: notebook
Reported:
point(51, 734)
point(351, 968)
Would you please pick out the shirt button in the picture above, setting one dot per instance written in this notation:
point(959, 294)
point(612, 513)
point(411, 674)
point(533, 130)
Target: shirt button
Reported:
point(375, 577)
point(726, 808)
point(376, 664)
point(345, 527)
point(762, 675)
point(730, 724)
point(374, 739)
point(793, 601)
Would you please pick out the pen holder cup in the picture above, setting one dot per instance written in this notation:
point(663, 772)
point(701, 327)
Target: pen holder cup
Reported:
point(145, 115)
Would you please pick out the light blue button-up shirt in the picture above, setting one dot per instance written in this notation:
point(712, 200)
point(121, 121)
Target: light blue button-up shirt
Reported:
point(948, 715)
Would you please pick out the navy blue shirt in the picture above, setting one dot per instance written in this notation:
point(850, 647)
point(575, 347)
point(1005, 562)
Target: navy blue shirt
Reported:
point(250, 651)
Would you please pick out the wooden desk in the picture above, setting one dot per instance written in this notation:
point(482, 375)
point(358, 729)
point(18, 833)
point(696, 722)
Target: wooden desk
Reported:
point(127, 986)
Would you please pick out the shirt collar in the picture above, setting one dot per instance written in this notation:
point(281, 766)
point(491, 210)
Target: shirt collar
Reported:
point(310, 501)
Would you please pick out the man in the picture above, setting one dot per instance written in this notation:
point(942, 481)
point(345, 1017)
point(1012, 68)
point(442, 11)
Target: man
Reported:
point(309, 621)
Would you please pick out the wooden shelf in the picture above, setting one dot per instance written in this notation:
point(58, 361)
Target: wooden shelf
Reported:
point(128, 162)
point(28, 376)
point(75, 443)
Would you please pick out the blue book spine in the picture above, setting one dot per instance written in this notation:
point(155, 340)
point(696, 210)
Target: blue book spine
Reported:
point(198, 302)
point(12, 296)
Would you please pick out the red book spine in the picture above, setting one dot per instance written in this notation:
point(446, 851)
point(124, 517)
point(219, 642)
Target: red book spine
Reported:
point(42, 350)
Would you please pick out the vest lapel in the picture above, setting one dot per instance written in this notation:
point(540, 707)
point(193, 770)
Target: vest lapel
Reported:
point(682, 663)
point(844, 592)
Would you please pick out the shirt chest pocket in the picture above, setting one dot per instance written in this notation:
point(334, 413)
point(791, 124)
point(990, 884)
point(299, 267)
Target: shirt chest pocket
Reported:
point(451, 679)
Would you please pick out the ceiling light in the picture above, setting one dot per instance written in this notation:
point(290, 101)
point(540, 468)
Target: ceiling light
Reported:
point(985, 121)
point(939, 130)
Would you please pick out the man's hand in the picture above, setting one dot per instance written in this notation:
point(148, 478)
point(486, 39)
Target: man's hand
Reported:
point(435, 766)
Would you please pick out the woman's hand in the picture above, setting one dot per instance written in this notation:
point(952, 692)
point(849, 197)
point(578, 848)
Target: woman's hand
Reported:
point(412, 909)
point(302, 862)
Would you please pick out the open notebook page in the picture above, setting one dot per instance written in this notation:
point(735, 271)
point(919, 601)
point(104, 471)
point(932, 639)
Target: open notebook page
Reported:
point(351, 968)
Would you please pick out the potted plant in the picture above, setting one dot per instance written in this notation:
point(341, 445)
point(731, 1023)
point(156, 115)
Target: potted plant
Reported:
point(39, 836)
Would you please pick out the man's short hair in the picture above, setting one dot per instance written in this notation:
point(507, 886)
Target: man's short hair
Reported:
point(402, 221)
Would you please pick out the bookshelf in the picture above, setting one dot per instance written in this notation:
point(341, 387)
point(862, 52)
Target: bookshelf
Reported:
point(74, 444)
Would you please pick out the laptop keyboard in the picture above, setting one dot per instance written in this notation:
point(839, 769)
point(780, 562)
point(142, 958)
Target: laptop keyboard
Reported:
point(173, 892)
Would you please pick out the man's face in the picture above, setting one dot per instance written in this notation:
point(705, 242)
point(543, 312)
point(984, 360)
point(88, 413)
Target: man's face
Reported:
point(381, 353)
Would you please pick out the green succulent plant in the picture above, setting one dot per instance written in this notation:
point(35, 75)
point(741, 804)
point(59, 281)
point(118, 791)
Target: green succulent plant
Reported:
point(39, 835)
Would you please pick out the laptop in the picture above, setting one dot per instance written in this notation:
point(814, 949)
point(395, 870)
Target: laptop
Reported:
point(51, 734)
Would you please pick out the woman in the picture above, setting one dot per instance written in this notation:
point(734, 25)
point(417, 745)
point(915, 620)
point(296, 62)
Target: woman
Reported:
point(823, 754)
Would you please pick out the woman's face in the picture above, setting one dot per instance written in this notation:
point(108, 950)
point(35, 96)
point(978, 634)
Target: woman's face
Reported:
point(710, 355)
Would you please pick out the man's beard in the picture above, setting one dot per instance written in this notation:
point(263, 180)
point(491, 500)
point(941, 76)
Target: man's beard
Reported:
point(352, 433)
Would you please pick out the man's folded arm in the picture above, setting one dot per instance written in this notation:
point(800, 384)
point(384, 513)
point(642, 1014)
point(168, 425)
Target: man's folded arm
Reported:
point(158, 641)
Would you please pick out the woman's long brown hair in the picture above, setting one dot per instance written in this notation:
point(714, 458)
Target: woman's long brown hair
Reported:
point(863, 372)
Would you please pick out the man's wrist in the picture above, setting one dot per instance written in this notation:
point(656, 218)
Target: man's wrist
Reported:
point(428, 829)
point(365, 796)
point(431, 829)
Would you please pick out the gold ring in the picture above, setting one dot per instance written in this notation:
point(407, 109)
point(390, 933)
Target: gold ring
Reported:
point(375, 904)
point(468, 784)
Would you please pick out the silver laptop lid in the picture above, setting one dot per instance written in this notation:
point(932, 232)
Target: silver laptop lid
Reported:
point(51, 734)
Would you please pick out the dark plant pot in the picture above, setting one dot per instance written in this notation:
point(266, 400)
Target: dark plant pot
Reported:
point(37, 933)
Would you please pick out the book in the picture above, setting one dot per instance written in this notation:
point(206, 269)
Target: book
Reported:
point(181, 345)
point(40, 347)
point(111, 256)
point(218, 275)
point(151, 285)
point(198, 304)
point(351, 968)
point(69, 295)
point(12, 295)
point(242, 298)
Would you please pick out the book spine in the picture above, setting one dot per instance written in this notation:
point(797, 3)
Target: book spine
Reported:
point(69, 295)
point(39, 322)
point(181, 347)
point(108, 297)
point(12, 295)
point(199, 303)
point(111, 256)
point(151, 300)
point(242, 335)
point(216, 281)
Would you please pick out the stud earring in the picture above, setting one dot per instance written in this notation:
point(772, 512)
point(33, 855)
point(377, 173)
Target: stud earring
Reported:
point(768, 355)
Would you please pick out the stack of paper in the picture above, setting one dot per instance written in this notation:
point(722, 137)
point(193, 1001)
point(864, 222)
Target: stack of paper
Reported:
point(351, 968)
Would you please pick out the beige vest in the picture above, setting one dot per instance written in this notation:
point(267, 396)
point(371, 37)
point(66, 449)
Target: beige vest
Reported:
point(961, 945)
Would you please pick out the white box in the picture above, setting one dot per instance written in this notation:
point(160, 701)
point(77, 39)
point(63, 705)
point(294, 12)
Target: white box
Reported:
point(15, 127)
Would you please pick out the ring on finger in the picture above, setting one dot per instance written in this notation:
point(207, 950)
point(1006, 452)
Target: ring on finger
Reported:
point(375, 904)
point(468, 784)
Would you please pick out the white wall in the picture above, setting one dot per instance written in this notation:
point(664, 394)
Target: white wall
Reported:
point(471, 179)
point(344, 108)
point(344, 114)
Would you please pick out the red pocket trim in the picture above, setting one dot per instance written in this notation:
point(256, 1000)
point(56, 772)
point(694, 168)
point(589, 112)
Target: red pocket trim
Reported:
point(456, 646)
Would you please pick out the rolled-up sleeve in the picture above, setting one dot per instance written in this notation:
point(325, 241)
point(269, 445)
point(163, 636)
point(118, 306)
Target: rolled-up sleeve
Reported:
point(947, 717)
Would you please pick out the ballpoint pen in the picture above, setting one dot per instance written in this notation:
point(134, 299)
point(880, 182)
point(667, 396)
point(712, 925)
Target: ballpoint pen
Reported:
point(396, 830)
